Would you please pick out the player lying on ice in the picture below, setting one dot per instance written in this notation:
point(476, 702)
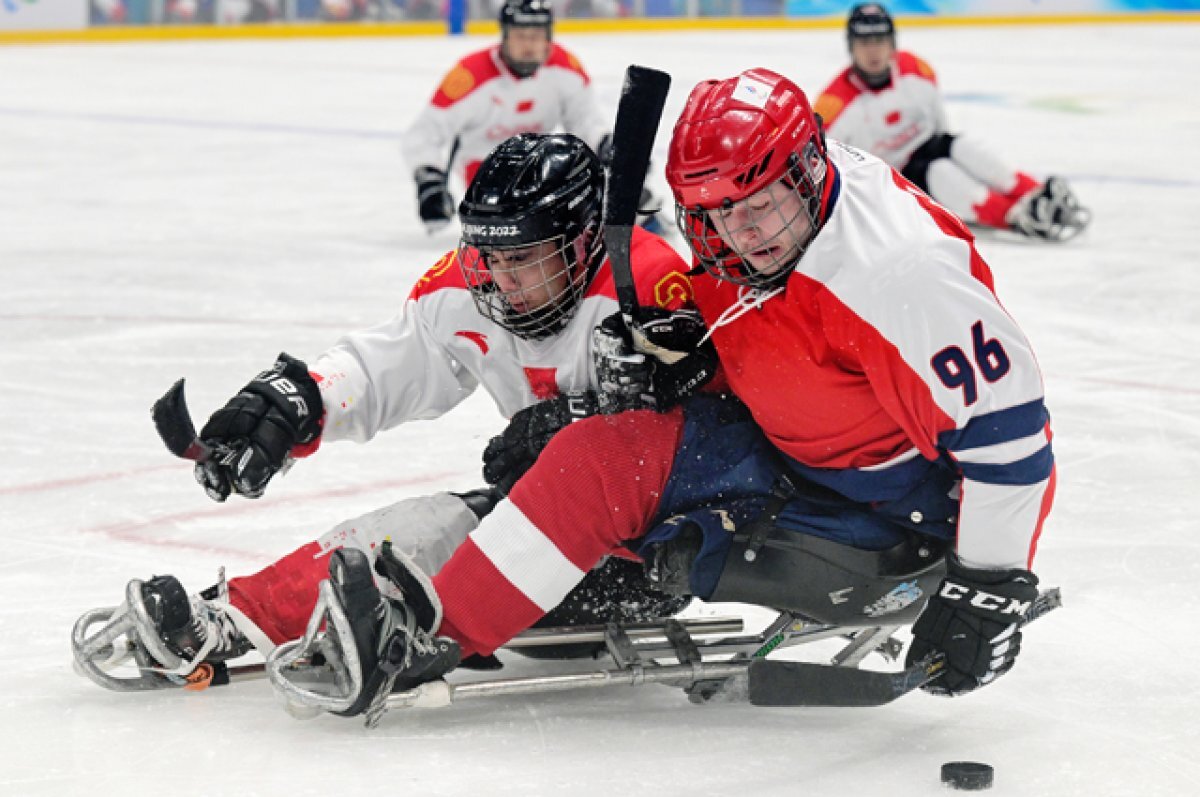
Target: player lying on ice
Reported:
point(881, 393)
point(513, 311)
point(887, 102)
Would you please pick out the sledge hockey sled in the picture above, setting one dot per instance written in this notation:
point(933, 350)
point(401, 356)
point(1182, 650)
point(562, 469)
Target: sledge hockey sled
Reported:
point(820, 590)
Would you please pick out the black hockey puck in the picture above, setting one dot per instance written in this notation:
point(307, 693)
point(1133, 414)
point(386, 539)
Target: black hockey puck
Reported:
point(967, 775)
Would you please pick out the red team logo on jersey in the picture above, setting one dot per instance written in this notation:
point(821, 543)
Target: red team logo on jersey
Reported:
point(543, 382)
point(478, 338)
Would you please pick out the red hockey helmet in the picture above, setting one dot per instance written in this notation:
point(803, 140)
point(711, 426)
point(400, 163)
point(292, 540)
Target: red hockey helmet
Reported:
point(750, 135)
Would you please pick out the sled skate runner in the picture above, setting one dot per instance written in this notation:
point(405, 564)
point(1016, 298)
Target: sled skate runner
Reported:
point(167, 638)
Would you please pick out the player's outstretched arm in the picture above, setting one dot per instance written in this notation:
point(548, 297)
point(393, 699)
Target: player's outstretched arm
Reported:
point(258, 428)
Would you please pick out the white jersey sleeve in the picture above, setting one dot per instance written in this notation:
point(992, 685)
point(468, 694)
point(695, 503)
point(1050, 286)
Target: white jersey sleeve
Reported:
point(944, 357)
point(381, 377)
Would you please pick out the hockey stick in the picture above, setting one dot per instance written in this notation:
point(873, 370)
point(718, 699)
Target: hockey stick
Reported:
point(642, 99)
point(174, 425)
point(800, 683)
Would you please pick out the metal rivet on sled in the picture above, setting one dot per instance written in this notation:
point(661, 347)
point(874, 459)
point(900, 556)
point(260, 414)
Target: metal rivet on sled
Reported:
point(916, 516)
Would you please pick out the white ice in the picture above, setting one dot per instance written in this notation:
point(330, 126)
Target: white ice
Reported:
point(191, 209)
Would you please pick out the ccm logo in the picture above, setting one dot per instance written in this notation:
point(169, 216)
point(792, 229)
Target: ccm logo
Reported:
point(984, 600)
point(289, 390)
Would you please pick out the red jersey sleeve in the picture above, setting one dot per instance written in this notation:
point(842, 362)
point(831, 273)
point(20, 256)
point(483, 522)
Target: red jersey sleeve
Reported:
point(467, 75)
point(909, 64)
point(565, 59)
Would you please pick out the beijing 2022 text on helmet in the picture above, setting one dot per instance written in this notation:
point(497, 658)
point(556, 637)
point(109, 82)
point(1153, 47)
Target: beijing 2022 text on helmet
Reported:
point(753, 136)
point(543, 191)
point(524, 14)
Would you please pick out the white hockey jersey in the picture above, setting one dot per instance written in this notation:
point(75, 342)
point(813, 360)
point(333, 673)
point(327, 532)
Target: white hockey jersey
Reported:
point(439, 349)
point(891, 122)
point(481, 103)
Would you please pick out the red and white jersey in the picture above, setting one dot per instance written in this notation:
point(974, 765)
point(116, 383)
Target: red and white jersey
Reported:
point(888, 344)
point(481, 103)
point(890, 122)
point(439, 349)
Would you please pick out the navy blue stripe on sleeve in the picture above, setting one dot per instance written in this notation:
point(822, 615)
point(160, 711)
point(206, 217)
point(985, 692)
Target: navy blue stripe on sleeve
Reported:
point(1032, 469)
point(1002, 426)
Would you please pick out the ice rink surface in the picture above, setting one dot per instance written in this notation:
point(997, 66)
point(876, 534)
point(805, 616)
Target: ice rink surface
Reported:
point(191, 209)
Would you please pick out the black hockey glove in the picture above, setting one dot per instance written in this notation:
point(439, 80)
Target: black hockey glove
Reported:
point(278, 410)
point(514, 451)
point(974, 620)
point(654, 365)
point(433, 199)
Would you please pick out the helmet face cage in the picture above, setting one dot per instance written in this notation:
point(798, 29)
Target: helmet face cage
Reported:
point(757, 240)
point(533, 289)
point(531, 231)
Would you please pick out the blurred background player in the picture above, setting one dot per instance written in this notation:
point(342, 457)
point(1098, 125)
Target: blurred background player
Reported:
point(512, 310)
point(887, 102)
point(525, 84)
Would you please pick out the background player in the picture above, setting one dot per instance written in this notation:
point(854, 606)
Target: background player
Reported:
point(887, 102)
point(525, 84)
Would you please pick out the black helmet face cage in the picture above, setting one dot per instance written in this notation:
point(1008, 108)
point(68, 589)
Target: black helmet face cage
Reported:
point(533, 289)
point(757, 240)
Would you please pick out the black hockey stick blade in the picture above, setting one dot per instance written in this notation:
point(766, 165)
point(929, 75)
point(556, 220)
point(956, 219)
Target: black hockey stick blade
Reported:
point(799, 683)
point(803, 683)
point(174, 425)
point(642, 99)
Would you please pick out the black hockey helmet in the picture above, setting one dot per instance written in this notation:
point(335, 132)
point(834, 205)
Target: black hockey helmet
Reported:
point(534, 207)
point(868, 20)
point(526, 14)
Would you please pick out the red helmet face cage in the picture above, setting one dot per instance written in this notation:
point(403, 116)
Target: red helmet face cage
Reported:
point(735, 141)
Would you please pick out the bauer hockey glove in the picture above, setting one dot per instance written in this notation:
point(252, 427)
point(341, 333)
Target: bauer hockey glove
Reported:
point(514, 450)
point(278, 410)
point(433, 199)
point(654, 365)
point(974, 619)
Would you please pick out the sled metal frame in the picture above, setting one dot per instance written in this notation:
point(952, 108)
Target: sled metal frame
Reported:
point(642, 652)
point(666, 652)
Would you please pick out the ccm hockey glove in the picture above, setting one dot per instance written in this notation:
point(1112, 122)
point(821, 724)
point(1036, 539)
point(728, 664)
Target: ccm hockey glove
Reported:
point(278, 410)
point(433, 199)
point(514, 451)
point(654, 365)
point(974, 620)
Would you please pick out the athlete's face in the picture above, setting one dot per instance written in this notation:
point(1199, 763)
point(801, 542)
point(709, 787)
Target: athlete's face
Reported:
point(767, 230)
point(527, 45)
point(530, 277)
point(872, 54)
